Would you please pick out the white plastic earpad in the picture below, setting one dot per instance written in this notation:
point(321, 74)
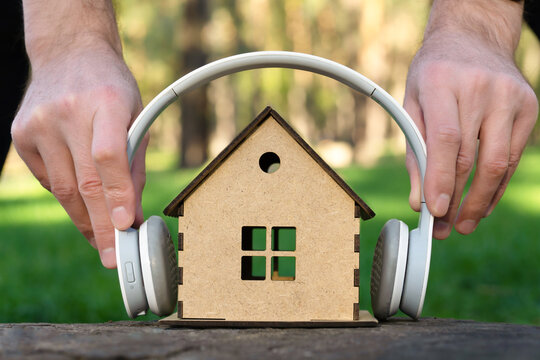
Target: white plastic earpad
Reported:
point(159, 266)
point(388, 270)
point(416, 275)
point(129, 272)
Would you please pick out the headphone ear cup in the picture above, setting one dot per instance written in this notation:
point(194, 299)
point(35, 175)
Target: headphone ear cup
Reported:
point(128, 265)
point(416, 276)
point(388, 269)
point(159, 266)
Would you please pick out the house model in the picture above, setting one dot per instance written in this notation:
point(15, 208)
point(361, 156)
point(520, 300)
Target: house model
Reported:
point(269, 234)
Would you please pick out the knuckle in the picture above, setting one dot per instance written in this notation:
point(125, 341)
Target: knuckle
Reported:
point(141, 179)
point(88, 233)
point(116, 192)
point(531, 104)
point(17, 131)
point(479, 80)
point(67, 103)
point(104, 155)
point(90, 188)
point(435, 72)
point(108, 93)
point(464, 164)
point(44, 181)
point(103, 235)
point(37, 119)
point(513, 160)
point(496, 167)
point(449, 135)
point(64, 192)
point(506, 83)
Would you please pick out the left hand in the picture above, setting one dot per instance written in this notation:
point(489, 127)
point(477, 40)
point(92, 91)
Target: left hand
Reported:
point(470, 102)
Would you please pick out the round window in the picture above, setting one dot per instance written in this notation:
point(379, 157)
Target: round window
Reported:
point(269, 162)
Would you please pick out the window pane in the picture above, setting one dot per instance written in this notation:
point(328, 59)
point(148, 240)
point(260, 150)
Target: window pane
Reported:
point(283, 268)
point(283, 239)
point(253, 267)
point(253, 238)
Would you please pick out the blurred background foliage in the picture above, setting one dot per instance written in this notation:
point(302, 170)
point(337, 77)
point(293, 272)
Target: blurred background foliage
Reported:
point(49, 273)
point(164, 40)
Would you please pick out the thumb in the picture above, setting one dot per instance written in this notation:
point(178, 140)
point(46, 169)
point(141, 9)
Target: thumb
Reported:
point(109, 146)
point(412, 107)
point(414, 176)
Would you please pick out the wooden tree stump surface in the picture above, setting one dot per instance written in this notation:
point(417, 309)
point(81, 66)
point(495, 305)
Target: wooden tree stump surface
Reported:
point(398, 339)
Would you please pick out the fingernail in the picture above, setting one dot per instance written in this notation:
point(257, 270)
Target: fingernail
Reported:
point(441, 206)
point(467, 226)
point(120, 218)
point(441, 226)
point(108, 258)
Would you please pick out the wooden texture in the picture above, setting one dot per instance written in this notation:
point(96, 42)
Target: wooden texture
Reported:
point(398, 339)
point(175, 208)
point(360, 318)
point(300, 194)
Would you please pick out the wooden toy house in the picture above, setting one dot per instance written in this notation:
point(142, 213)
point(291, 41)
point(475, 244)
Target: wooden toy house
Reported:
point(268, 233)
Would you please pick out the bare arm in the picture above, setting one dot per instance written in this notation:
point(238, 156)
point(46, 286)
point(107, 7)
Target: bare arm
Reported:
point(71, 129)
point(468, 98)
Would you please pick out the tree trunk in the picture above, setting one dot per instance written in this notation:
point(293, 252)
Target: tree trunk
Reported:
point(194, 105)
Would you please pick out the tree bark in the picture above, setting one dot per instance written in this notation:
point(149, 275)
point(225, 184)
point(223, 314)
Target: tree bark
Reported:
point(194, 105)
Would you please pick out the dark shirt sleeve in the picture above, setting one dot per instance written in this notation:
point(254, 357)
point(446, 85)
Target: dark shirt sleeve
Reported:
point(531, 15)
point(13, 68)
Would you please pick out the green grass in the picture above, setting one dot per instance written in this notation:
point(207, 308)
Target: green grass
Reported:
point(49, 273)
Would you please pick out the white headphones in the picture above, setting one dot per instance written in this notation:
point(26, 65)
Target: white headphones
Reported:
point(146, 259)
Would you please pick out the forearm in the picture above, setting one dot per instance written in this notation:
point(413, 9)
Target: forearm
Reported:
point(54, 27)
point(495, 23)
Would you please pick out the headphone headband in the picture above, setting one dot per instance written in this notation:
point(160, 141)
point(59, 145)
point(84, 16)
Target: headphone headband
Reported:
point(421, 237)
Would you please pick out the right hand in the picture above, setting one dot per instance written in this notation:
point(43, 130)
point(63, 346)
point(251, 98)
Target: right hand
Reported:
point(71, 131)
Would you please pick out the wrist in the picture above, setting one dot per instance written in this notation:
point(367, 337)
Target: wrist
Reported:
point(44, 52)
point(493, 23)
point(57, 28)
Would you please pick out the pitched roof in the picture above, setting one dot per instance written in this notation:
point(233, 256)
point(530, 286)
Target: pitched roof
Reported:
point(175, 208)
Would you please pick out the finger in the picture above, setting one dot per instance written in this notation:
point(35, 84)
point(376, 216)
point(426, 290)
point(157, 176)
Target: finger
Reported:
point(470, 115)
point(414, 110)
point(109, 155)
point(443, 140)
point(523, 127)
point(414, 177)
point(34, 162)
point(493, 155)
point(90, 188)
point(63, 185)
point(28, 152)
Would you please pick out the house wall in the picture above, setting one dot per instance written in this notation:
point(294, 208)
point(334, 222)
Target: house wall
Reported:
point(299, 194)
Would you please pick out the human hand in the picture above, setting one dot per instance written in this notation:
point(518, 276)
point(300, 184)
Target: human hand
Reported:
point(469, 101)
point(71, 130)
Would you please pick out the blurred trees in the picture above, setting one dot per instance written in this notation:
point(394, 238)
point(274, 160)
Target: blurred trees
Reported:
point(166, 39)
point(194, 141)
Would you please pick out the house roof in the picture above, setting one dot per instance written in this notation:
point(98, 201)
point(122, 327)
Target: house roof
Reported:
point(175, 208)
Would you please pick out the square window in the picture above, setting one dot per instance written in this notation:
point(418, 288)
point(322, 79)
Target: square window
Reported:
point(253, 238)
point(253, 267)
point(283, 239)
point(283, 268)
